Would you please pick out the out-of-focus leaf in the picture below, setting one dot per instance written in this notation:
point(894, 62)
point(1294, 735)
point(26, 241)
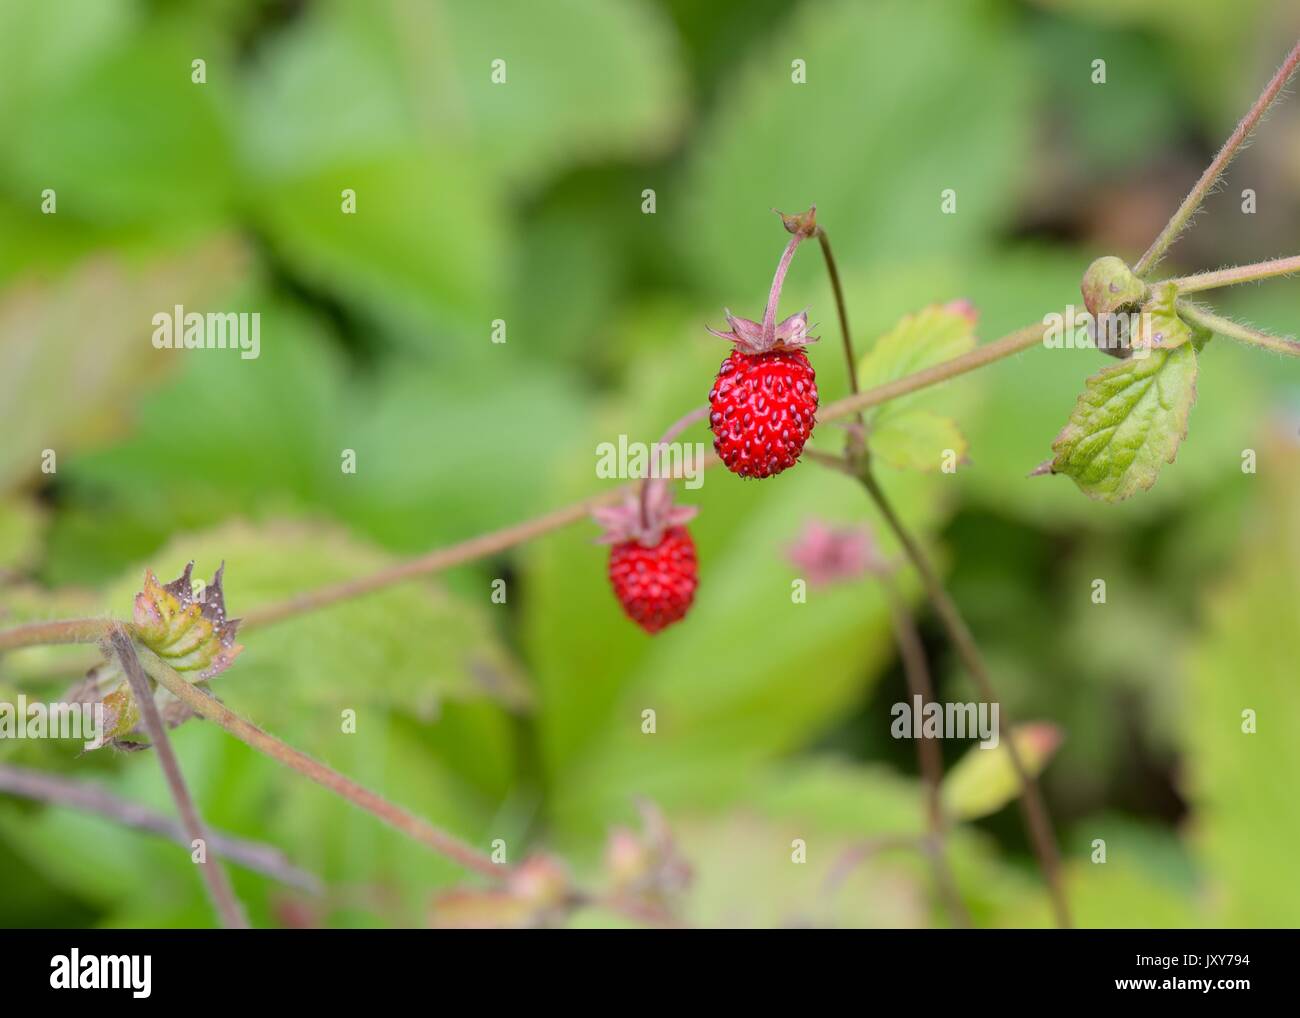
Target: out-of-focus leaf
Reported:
point(407, 648)
point(76, 351)
point(396, 102)
point(1128, 423)
point(874, 73)
point(1239, 781)
point(439, 454)
point(42, 46)
point(21, 525)
point(920, 340)
point(129, 138)
point(409, 255)
point(918, 440)
point(984, 780)
point(1111, 895)
point(349, 79)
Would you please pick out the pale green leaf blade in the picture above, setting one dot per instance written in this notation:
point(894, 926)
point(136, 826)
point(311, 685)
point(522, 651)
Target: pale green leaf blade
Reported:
point(918, 440)
point(1238, 726)
point(931, 336)
point(984, 780)
point(407, 648)
point(1128, 422)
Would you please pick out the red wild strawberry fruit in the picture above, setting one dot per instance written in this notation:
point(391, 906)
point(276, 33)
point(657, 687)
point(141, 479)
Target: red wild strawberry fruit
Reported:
point(652, 564)
point(763, 404)
point(655, 585)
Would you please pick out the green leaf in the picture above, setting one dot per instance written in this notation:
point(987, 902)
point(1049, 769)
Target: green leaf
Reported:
point(900, 434)
point(128, 138)
point(1160, 327)
point(96, 320)
point(1118, 895)
point(984, 780)
point(1241, 783)
point(407, 648)
point(959, 93)
point(917, 440)
point(1130, 420)
point(919, 341)
point(348, 79)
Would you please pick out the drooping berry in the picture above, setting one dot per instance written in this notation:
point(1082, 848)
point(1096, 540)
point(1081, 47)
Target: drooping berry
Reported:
point(655, 585)
point(652, 563)
point(763, 404)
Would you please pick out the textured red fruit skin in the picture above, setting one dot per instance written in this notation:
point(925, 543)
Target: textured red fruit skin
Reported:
point(655, 585)
point(764, 407)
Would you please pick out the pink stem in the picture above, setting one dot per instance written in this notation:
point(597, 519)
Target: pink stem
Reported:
point(674, 429)
point(769, 316)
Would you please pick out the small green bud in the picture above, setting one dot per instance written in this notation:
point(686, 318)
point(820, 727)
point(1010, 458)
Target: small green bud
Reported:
point(1109, 286)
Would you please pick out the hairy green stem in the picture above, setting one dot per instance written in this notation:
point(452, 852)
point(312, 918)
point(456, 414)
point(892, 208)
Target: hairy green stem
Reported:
point(1221, 326)
point(228, 908)
point(837, 288)
point(483, 545)
point(37, 634)
point(916, 669)
point(1233, 275)
point(422, 831)
point(1203, 186)
point(56, 790)
point(1035, 812)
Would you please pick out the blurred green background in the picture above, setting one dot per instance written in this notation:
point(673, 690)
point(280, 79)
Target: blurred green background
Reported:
point(523, 202)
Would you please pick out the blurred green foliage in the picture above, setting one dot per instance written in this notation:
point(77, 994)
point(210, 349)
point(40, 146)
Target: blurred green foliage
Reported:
point(522, 202)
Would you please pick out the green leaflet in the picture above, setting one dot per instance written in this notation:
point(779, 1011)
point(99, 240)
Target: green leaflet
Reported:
point(984, 780)
point(900, 435)
point(930, 336)
point(1130, 419)
point(918, 440)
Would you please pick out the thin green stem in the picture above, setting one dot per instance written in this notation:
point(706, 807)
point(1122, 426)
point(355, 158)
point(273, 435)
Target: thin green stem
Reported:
point(421, 830)
point(1221, 326)
point(228, 908)
point(832, 270)
point(1233, 275)
point(38, 634)
point(774, 294)
point(56, 790)
point(1008, 346)
point(497, 541)
point(929, 757)
point(1192, 202)
point(1032, 805)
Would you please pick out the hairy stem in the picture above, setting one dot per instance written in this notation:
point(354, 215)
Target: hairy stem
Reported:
point(1235, 330)
point(832, 270)
point(1031, 801)
point(245, 731)
point(223, 895)
point(929, 756)
point(1234, 275)
point(35, 634)
point(1008, 346)
point(1192, 202)
point(674, 429)
point(774, 294)
point(57, 790)
point(92, 630)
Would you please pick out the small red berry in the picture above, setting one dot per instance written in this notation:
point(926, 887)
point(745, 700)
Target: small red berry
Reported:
point(655, 585)
point(652, 565)
point(763, 404)
point(763, 408)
